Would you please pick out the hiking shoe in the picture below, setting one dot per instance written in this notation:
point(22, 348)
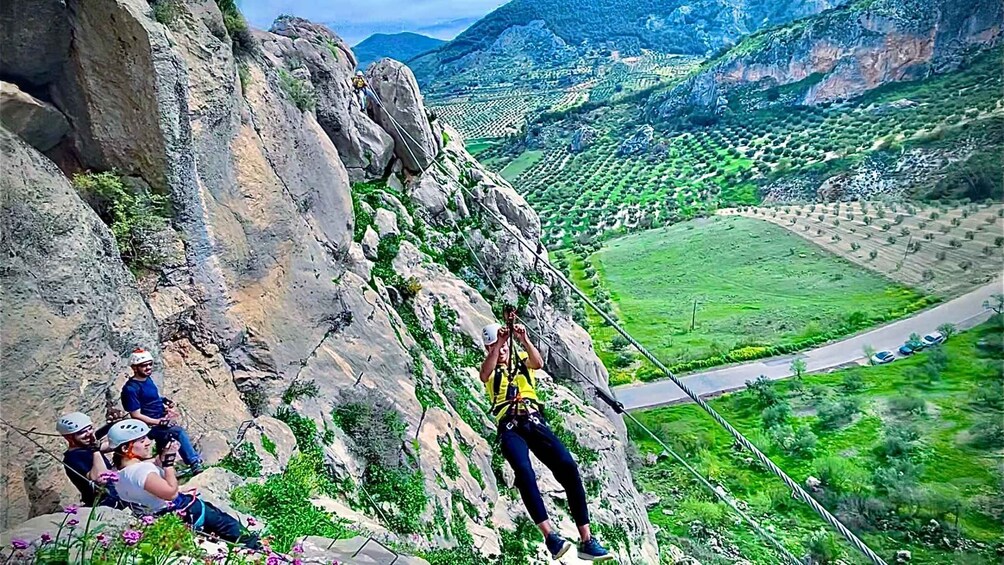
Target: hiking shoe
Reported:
point(591, 550)
point(195, 468)
point(557, 545)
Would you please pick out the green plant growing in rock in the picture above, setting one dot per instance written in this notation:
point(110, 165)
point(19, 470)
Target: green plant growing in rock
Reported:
point(377, 432)
point(243, 460)
point(137, 218)
point(299, 92)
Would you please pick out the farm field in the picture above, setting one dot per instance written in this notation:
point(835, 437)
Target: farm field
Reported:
point(943, 250)
point(760, 291)
point(907, 455)
point(686, 169)
point(497, 107)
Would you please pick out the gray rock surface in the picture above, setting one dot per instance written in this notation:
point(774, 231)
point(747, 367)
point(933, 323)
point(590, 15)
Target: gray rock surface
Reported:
point(401, 112)
point(37, 122)
point(71, 314)
point(36, 40)
point(386, 223)
point(364, 147)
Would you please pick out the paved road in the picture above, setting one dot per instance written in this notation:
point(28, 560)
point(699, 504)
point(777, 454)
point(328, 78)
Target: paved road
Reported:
point(965, 312)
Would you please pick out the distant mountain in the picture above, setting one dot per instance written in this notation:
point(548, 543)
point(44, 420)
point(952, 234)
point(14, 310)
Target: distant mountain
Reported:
point(839, 54)
point(670, 26)
point(400, 46)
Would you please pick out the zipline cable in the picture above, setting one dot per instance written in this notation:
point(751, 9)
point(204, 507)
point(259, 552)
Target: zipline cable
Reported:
point(736, 434)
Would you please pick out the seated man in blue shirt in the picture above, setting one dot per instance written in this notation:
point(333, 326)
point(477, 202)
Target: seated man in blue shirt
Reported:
point(85, 461)
point(143, 401)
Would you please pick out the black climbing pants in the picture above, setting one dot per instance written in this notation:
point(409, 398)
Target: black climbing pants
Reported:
point(521, 435)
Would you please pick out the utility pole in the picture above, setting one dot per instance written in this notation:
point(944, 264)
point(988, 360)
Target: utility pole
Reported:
point(693, 317)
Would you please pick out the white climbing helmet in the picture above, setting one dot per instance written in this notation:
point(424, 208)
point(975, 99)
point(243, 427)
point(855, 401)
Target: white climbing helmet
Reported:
point(490, 334)
point(69, 424)
point(125, 431)
point(359, 73)
point(140, 356)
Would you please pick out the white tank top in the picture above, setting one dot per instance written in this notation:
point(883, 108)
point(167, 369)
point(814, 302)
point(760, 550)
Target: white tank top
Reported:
point(130, 486)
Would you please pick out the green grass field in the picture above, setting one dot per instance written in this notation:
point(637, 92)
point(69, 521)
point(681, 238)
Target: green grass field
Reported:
point(520, 164)
point(920, 439)
point(475, 146)
point(756, 285)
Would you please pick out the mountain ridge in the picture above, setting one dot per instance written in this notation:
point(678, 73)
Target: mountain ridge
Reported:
point(401, 46)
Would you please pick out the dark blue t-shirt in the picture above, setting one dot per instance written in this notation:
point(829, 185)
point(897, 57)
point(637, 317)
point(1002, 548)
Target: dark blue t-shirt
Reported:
point(81, 460)
point(143, 396)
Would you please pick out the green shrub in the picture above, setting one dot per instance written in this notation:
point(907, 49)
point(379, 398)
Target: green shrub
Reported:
point(448, 457)
point(299, 92)
point(839, 474)
point(284, 502)
point(165, 11)
point(823, 548)
point(835, 414)
point(377, 433)
point(300, 389)
point(237, 27)
point(268, 445)
point(908, 403)
point(988, 432)
point(776, 414)
point(136, 218)
point(243, 460)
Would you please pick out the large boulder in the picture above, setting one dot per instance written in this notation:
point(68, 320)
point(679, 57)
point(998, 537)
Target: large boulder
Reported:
point(71, 314)
point(401, 112)
point(364, 148)
point(36, 40)
point(37, 122)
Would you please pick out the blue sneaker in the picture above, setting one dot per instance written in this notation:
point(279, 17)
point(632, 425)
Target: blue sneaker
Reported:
point(591, 550)
point(557, 545)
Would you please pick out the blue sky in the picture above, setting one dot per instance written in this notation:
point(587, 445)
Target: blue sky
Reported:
point(354, 20)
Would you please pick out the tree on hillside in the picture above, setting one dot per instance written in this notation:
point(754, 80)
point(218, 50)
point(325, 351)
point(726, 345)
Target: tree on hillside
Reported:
point(947, 330)
point(996, 303)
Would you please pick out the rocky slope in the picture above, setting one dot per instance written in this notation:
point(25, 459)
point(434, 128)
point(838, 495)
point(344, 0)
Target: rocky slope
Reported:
point(840, 54)
point(672, 27)
point(274, 268)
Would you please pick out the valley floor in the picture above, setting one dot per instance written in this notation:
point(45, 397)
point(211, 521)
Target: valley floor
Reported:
point(908, 456)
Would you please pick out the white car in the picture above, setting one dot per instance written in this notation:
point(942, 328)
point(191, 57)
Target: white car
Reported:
point(933, 338)
point(883, 357)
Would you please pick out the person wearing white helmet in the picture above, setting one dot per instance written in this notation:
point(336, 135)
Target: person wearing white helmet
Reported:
point(150, 484)
point(84, 462)
point(142, 400)
point(360, 86)
point(511, 386)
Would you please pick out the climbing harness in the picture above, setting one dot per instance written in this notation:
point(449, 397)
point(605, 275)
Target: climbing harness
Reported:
point(607, 398)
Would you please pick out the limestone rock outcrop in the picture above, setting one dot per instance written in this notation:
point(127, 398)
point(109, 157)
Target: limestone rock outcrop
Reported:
point(401, 112)
point(364, 147)
point(71, 309)
point(33, 120)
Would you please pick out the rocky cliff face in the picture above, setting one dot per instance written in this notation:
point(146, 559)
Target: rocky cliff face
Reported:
point(843, 53)
point(277, 269)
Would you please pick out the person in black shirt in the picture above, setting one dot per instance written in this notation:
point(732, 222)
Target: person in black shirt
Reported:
point(84, 460)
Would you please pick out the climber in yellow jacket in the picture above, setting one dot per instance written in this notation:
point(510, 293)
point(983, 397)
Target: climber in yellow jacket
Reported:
point(360, 86)
point(511, 386)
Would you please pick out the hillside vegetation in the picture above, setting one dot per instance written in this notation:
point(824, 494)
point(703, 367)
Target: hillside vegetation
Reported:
point(907, 455)
point(892, 141)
